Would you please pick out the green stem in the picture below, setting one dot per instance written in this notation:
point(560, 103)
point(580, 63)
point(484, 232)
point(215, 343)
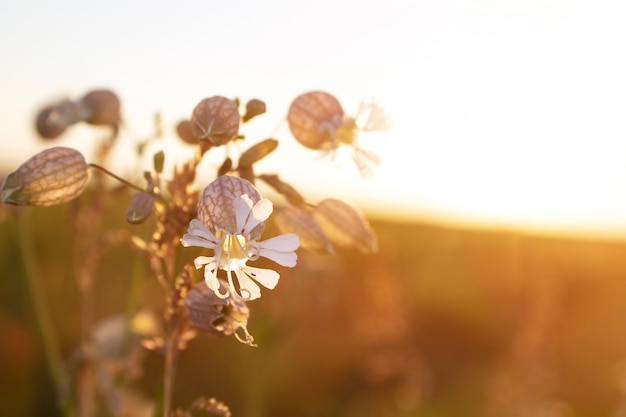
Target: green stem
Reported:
point(41, 311)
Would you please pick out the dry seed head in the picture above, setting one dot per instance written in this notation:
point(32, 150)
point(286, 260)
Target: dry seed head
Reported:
point(314, 119)
point(54, 176)
point(217, 316)
point(215, 119)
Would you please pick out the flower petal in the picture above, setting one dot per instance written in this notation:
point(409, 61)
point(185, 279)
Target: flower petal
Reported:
point(249, 216)
point(248, 289)
point(210, 277)
point(196, 227)
point(193, 240)
point(266, 277)
point(283, 243)
point(288, 259)
point(260, 212)
point(242, 206)
point(203, 260)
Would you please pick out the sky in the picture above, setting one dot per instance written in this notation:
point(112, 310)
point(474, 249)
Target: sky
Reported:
point(505, 113)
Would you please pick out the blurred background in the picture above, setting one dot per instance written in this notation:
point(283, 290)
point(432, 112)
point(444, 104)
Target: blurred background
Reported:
point(499, 202)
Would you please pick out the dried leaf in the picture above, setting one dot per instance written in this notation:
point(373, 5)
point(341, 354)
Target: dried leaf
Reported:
point(247, 173)
point(344, 226)
point(158, 160)
point(54, 176)
point(254, 107)
point(140, 208)
point(291, 219)
point(283, 188)
point(257, 152)
point(225, 168)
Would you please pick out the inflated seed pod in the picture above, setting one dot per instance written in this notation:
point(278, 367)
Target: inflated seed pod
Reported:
point(50, 123)
point(314, 118)
point(216, 119)
point(183, 129)
point(53, 176)
point(101, 108)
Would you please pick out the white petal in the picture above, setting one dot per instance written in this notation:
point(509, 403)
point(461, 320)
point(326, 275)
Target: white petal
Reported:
point(203, 260)
point(288, 259)
point(260, 212)
point(247, 288)
point(265, 277)
point(210, 277)
point(196, 227)
point(284, 243)
point(242, 206)
point(371, 117)
point(193, 240)
point(248, 216)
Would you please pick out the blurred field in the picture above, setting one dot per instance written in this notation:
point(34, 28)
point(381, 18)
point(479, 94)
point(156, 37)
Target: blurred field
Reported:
point(441, 322)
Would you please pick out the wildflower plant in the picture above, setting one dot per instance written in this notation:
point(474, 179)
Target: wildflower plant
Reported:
point(223, 220)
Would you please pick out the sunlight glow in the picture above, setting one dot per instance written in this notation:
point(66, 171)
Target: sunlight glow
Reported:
point(503, 112)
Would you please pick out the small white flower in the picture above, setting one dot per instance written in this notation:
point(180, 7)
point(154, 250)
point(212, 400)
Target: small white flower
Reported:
point(234, 248)
point(317, 120)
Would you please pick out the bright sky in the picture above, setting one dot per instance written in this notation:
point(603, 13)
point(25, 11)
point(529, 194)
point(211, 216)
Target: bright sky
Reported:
point(505, 112)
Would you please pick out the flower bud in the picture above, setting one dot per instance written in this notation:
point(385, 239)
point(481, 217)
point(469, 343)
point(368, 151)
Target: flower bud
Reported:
point(314, 118)
point(101, 107)
point(217, 316)
point(253, 108)
point(54, 176)
point(140, 208)
point(215, 119)
point(344, 226)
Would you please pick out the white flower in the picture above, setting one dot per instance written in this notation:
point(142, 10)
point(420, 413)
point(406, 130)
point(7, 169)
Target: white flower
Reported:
point(234, 248)
point(317, 120)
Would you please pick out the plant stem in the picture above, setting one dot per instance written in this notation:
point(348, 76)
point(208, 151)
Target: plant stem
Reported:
point(120, 179)
point(169, 373)
point(41, 311)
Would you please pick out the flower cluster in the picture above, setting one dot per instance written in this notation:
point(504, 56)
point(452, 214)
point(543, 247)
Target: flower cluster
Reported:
point(232, 217)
